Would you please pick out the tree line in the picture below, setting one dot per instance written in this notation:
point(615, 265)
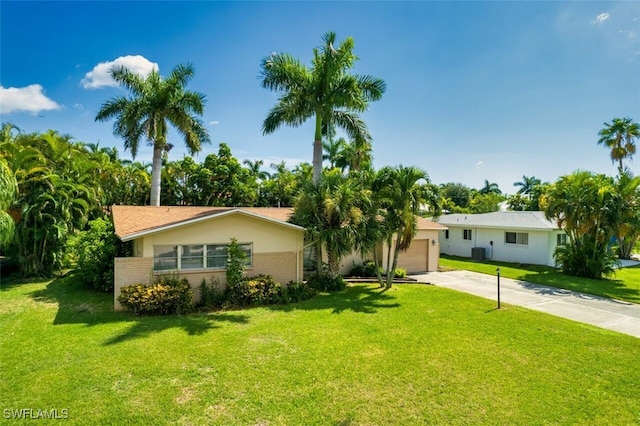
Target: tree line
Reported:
point(52, 186)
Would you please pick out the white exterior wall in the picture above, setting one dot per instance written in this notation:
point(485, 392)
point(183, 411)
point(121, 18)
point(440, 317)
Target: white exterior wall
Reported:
point(538, 251)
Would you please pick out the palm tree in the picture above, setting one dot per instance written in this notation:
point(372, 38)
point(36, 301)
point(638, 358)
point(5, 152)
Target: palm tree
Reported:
point(331, 212)
point(587, 207)
point(619, 136)
point(402, 192)
point(254, 169)
point(527, 185)
point(627, 226)
point(333, 148)
point(326, 91)
point(490, 188)
point(156, 102)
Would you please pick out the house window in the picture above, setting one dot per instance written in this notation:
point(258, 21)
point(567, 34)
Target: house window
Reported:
point(561, 239)
point(194, 257)
point(466, 234)
point(446, 234)
point(165, 258)
point(217, 256)
point(521, 238)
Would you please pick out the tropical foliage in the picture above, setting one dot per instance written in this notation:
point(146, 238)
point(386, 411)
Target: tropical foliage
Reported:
point(154, 104)
point(325, 92)
point(401, 193)
point(620, 137)
point(332, 211)
point(588, 207)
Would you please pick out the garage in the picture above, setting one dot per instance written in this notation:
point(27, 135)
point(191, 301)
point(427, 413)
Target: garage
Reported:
point(415, 258)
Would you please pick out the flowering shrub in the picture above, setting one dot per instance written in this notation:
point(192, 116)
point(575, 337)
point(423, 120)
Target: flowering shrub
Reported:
point(168, 295)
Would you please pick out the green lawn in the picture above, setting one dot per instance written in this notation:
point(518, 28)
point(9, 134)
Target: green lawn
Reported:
point(416, 354)
point(624, 285)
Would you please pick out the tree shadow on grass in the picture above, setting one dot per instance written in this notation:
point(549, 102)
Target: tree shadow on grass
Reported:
point(556, 283)
point(77, 305)
point(361, 298)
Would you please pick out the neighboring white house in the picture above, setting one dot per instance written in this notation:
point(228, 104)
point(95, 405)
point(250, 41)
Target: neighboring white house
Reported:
point(519, 237)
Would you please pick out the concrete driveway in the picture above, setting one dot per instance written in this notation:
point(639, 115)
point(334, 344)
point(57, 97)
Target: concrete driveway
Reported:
point(616, 315)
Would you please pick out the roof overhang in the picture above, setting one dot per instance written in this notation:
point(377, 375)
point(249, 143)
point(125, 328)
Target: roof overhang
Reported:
point(155, 230)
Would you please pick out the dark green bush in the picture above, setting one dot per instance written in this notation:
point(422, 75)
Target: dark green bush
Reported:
point(210, 294)
point(368, 270)
point(168, 295)
point(94, 251)
point(297, 292)
point(327, 283)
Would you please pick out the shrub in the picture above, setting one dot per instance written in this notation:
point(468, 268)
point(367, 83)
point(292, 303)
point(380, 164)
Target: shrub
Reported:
point(297, 292)
point(167, 295)
point(400, 273)
point(368, 269)
point(94, 250)
point(235, 264)
point(326, 282)
point(210, 295)
point(258, 290)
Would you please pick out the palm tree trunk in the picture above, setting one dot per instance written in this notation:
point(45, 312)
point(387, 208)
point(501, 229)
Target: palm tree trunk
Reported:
point(392, 271)
point(389, 241)
point(318, 258)
point(317, 160)
point(156, 169)
point(317, 150)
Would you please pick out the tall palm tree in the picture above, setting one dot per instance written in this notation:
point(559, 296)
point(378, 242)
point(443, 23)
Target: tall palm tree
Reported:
point(490, 188)
point(527, 184)
point(326, 91)
point(619, 136)
point(155, 103)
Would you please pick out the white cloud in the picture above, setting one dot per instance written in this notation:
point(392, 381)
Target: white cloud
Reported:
point(214, 123)
point(30, 99)
point(99, 75)
point(478, 164)
point(78, 106)
point(600, 18)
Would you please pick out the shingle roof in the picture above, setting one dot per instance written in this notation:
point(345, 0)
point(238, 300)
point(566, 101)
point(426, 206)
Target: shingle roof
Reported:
point(131, 221)
point(428, 223)
point(511, 220)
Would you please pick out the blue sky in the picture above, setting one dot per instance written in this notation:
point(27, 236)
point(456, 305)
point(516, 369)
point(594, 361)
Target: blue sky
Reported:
point(475, 90)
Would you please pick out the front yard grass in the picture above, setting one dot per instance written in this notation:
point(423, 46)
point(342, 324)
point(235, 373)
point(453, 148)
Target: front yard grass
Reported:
point(416, 354)
point(624, 285)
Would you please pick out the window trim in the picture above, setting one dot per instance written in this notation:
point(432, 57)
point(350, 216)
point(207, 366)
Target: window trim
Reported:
point(204, 267)
point(561, 237)
point(519, 238)
point(467, 233)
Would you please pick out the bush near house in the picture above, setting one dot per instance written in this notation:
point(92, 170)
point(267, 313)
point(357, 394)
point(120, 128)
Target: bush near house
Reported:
point(254, 291)
point(168, 295)
point(94, 251)
point(368, 269)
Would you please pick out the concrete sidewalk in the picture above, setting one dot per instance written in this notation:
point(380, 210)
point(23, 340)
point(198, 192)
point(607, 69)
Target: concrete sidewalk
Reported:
point(616, 315)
